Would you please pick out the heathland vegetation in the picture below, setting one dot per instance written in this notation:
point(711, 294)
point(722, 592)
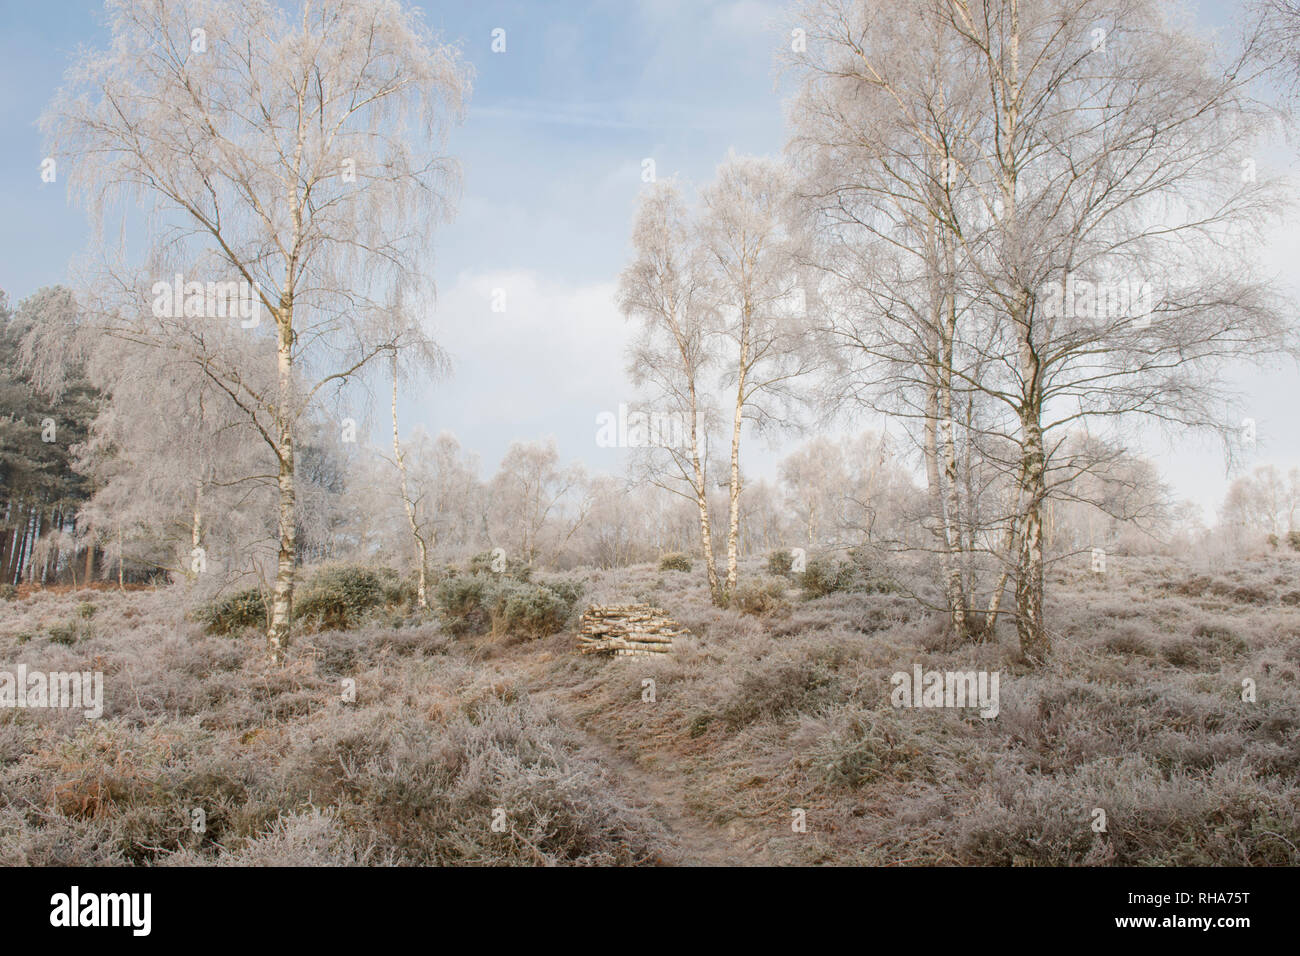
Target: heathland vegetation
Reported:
point(1007, 240)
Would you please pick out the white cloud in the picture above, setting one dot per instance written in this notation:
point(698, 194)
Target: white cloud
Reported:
point(545, 366)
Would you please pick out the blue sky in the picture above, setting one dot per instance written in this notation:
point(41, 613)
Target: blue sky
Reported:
point(551, 150)
point(556, 132)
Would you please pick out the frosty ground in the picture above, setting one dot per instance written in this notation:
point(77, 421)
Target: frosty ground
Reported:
point(778, 705)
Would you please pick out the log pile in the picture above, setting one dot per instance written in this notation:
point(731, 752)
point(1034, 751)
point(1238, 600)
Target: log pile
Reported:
point(627, 630)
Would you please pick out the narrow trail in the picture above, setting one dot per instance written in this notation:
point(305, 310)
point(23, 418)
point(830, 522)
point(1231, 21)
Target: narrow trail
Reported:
point(696, 841)
point(693, 840)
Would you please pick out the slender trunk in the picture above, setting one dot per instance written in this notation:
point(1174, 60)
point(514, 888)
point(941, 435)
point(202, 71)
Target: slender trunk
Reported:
point(282, 601)
point(955, 595)
point(121, 555)
point(940, 476)
point(971, 516)
point(737, 421)
point(13, 571)
point(6, 539)
point(33, 539)
point(73, 555)
point(702, 502)
point(421, 548)
point(278, 631)
point(951, 494)
point(999, 589)
point(37, 529)
point(733, 486)
point(51, 555)
point(196, 528)
point(1034, 642)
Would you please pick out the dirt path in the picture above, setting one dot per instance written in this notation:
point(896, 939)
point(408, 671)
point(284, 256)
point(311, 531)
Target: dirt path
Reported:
point(694, 840)
point(697, 841)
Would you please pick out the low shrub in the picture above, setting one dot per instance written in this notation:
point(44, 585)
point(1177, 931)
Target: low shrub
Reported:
point(398, 590)
point(462, 602)
point(1219, 640)
point(862, 747)
point(528, 610)
point(335, 597)
point(66, 634)
point(338, 596)
point(1183, 653)
point(478, 603)
point(1250, 595)
point(1129, 640)
point(760, 597)
point(780, 562)
point(233, 613)
point(569, 590)
point(778, 688)
point(675, 562)
point(1195, 586)
point(827, 575)
point(500, 565)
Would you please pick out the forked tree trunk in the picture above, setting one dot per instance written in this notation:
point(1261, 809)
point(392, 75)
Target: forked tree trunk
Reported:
point(1009, 547)
point(1034, 643)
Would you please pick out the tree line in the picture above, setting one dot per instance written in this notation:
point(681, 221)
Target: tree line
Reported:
point(1018, 229)
point(1009, 229)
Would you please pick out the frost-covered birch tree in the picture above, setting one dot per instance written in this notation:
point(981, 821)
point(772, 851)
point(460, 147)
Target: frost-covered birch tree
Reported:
point(665, 289)
point(745, 231)
point(1081, 165)
point(294, 156)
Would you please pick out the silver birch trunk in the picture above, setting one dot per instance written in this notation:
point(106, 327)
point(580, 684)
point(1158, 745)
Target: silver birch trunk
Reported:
point(421, 548)
point(702, 501)
point(282, 601)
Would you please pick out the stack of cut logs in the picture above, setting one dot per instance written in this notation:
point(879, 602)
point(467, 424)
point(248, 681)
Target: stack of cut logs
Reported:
point(627, 629)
